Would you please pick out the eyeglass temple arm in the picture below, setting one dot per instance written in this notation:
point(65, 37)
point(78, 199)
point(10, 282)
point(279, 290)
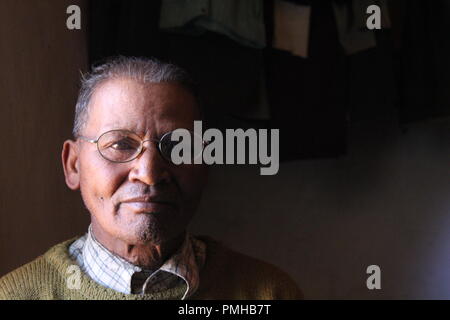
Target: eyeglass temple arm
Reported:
point(86, 139)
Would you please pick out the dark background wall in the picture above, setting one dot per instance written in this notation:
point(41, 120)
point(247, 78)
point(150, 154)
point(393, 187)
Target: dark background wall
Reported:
point(40, 63)
point(322, 220)
point(326, 221)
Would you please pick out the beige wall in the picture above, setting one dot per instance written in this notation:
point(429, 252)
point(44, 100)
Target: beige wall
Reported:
point(40, 61)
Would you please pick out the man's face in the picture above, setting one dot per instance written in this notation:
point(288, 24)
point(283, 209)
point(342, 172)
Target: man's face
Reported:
point(109, 190)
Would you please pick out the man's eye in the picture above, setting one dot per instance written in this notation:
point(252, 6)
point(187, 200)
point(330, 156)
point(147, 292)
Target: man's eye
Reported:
point(122, 145)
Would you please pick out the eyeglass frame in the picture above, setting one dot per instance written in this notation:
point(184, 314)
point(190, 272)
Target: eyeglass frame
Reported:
point(141, 147)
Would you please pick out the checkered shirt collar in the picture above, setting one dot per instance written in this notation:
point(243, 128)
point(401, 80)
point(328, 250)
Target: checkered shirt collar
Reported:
point(114, 272)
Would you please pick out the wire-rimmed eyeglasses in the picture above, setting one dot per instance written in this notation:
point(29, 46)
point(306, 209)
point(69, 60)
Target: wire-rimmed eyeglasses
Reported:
point(124, 146)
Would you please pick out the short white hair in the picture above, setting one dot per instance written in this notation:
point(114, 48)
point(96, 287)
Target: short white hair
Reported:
point(148, 70)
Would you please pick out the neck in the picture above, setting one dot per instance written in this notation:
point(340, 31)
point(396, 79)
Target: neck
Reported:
point(146, 255)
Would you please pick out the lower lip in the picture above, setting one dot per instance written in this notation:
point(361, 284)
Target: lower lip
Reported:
point(148, 207)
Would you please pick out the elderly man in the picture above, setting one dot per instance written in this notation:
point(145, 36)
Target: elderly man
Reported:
point(137, 246)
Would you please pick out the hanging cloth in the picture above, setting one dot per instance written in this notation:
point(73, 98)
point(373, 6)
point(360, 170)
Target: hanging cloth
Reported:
point(242, 21)
point(291, 27)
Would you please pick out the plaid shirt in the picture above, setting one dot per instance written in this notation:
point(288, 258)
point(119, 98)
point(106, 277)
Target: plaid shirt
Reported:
point(114, 272)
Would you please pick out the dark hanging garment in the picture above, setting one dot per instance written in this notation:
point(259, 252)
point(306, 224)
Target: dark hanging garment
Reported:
point(220, 43)
point(229, 74)
point(424, 60)
point(372, 86)
point(124, 27)
point(308, 96)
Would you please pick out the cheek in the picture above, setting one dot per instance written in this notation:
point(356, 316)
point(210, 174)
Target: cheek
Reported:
point(99, 180)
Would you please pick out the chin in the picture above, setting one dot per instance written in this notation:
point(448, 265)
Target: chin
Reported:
point(146, 229)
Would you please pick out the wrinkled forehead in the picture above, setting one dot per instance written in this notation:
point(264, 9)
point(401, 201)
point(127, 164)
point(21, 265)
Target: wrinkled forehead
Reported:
point(145, 108)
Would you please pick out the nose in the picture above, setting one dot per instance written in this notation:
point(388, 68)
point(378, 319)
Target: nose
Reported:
point(149, 167)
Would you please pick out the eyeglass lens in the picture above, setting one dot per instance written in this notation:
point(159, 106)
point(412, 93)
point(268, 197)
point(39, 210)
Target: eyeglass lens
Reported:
point(123, 146)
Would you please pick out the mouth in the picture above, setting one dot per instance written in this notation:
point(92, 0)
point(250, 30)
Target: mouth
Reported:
point(148, 204)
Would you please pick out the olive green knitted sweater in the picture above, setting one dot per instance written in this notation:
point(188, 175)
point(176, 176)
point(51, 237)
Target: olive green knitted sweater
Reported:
point(225, 275)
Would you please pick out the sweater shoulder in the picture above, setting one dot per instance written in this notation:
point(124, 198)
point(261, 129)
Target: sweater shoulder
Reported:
point(247, 277)
point(34, 280)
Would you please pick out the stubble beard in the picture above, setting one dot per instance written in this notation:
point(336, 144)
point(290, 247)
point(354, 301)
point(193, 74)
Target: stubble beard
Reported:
point(144, 229)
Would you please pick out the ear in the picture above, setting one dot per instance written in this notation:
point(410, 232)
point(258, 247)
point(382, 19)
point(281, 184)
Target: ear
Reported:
point(70, 162)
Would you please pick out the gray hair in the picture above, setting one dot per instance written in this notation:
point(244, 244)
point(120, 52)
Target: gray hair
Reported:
point(148, 70)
